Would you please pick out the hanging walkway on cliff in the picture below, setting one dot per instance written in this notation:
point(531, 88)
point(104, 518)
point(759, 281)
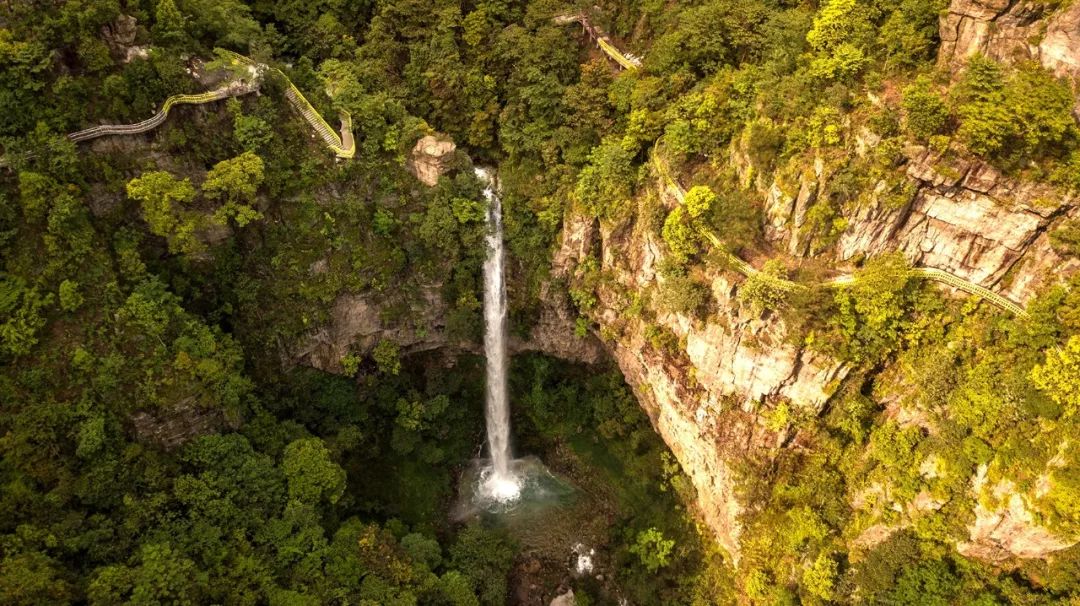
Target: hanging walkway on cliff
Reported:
point(343, 145)
point(625, 60)
point(748, 270)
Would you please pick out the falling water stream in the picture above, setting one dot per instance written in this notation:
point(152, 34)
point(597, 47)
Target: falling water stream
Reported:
point(499, 482)
point(538, 508)
point(523, 488)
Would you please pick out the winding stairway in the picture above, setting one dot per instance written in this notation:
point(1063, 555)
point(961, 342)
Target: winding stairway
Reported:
point(343, 145)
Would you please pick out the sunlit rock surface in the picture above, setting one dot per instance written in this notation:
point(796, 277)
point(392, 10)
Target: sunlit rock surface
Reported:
point(431, 158)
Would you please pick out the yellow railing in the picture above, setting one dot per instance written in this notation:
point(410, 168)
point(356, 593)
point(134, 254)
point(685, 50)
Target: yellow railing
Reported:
point(343, 145)
point(614, 53)
point(157, 119)
point(627, 62)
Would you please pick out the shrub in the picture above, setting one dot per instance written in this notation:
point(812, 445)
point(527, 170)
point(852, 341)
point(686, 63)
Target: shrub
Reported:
point(824, 127)
point(21, 315)
point(760, 291)
point(872, 310)
point(1066, 239)
point(1024, 115)
point(163, 198)
point(925, 113)
point(652, 549)
point(699, 201)
point(1059, 376)
point(605, 184)
point(682, 294)
point(680, 235)
point(820, 578)
point(387, 356)
point(70, 297)
point(763, 140)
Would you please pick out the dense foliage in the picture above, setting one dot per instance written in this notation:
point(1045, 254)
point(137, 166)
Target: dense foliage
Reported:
point(164, 439)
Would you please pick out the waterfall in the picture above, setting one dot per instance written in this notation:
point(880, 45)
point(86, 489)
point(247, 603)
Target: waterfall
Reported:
point(499, 482)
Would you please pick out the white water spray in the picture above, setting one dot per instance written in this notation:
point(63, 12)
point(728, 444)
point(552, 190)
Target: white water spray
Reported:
point(498, 482)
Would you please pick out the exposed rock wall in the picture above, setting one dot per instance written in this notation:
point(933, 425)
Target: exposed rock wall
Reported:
point(708, 398)
point(705, 398)
point(431, 158)
point(357, 324)
point(1010, 30)
point(964, 218)
point(173, 427)
point(1008, 529)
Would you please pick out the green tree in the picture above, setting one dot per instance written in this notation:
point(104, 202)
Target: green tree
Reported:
point(33, 578)
point(839, 36)
point(819, 579)
point(252, 132)
point(21, 315)
point(682, 294)
point(1059, 376)
point(387, 356)
point(311, 474)
point(681, 235)
point(70, 297)
point(485, 558)
point(162, 576)
point(872, 310)
point(168, 26)
point(163, 197)
point(699, 201)
point(763, 290)
point(455, 588)
point(925, 113)
point(235, 182)
point(653, 549)
point(605, 184)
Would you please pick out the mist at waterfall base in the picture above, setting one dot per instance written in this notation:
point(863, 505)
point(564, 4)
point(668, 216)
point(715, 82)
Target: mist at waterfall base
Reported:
point(501, 484)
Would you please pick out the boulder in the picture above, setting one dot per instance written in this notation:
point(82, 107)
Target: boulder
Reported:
point(431, 158)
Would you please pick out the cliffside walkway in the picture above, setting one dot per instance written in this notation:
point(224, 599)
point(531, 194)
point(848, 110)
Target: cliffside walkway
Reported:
point(625, 60)
point(343, 145)
point(748, 270)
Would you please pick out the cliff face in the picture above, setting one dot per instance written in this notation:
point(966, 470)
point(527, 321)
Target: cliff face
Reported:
point(705, 395)
point(357, 324)
point(1007, 30)
point(964, 217)
point(710, 386)
point(709, 395)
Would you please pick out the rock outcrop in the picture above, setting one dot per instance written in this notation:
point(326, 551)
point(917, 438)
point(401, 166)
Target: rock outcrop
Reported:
point(566, 599)
point(177, 425)
point(1009, 529)
point(120, 37)
point(709, 387)
point(964, 218)
point(1011, 31)
point(431, 158)
point(357, 324)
